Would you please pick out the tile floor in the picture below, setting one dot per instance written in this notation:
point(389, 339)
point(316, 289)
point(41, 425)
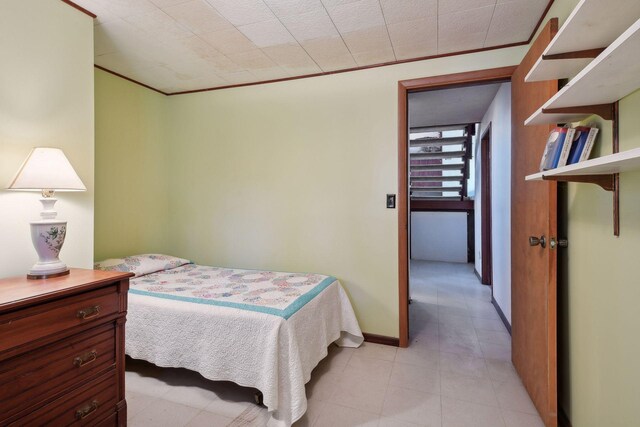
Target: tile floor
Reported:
point(456, 373)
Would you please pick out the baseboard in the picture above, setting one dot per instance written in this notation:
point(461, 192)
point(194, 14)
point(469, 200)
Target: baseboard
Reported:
point(381, 339)
point(478, 275)
point(563, 419)
point(501, 314)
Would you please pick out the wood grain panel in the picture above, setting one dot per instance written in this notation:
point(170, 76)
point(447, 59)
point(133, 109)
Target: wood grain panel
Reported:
point(533, 213)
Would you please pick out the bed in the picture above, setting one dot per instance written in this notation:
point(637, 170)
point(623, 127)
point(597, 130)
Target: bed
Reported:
point(260, 329)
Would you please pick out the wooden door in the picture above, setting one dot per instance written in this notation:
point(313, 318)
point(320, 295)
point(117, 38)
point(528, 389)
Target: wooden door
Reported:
point(533, 268)
point(486, 211)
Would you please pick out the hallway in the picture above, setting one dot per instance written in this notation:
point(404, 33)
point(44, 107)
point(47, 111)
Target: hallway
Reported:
point(451, 314)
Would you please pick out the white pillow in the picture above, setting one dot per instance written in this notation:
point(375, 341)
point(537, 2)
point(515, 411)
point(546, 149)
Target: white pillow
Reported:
point(141, 264)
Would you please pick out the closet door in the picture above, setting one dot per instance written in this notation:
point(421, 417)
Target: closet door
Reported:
point(533, 266)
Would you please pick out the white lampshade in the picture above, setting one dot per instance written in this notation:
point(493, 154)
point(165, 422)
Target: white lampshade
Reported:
point(47, 168)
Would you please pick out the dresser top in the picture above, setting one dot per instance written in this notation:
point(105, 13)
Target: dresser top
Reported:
point(16, 292)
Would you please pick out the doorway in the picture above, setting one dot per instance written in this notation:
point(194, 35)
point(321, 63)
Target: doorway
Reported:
point(404, 89)
point(486, 215)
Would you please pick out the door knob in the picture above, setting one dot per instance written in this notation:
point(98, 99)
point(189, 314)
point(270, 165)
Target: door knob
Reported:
point(535, 241)
point(563, 243)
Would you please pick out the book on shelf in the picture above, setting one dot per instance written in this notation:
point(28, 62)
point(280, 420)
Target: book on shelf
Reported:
point(562, 153)
point(553, 149)
point(588, 146)
point(583, 134)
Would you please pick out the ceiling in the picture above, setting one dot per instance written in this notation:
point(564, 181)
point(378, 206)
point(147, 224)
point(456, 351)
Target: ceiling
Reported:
point(184, 45)
point(451, 106)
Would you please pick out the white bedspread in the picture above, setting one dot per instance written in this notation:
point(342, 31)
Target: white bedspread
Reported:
point(273, 353)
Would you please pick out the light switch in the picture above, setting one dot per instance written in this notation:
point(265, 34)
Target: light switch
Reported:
point(391, 201)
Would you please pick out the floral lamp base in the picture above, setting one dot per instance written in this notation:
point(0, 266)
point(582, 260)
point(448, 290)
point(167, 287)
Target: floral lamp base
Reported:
point(48, 237)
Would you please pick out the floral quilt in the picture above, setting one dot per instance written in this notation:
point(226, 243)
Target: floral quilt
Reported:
point(280, 294)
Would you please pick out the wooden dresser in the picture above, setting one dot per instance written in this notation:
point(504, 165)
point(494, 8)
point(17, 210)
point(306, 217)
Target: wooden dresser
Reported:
point(62, 349)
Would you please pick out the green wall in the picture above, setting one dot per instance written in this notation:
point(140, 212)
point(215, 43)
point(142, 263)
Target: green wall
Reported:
point(46, 100)
point(132, 174)
point(600, 316)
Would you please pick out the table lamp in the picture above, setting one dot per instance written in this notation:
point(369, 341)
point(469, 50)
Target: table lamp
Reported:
point(47, 170)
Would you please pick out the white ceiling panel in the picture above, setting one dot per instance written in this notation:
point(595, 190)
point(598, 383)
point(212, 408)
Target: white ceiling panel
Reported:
point(243, 12)
point(284, 8)
point(373, 57)
point(420, 32)
point(229, 41)
point(358, 15)
point(267, 33)
point(176, 45)
point(510, 21)
point(396, 11)
point(198, 16)
point(452, 6)
point(368, 40)
point(311, 25)
point(158, 25)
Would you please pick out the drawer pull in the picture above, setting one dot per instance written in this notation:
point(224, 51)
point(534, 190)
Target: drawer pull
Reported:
point(85, 359)
point(88, 313)
point(87, 410)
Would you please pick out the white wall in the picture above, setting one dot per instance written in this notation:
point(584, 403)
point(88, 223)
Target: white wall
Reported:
point(499, 116)
point(46, 99)
point(439, 236)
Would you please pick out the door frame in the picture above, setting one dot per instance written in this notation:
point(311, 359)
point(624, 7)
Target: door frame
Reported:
point(486, 211)
point(469, 78)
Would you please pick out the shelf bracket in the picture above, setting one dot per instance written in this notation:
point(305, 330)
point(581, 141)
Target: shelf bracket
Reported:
point(606, 111)
point(579, 54)
point(607, 182)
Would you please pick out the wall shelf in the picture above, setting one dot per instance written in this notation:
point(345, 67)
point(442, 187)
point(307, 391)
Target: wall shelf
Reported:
point(598, 171)
point(614, 74)
point(592, 26)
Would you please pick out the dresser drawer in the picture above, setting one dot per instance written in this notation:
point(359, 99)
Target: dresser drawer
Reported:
point(87, 405)
point(26, 325)
point(36, 376)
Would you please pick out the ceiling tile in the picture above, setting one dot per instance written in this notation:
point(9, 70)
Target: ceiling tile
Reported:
point(396, 11)
point(159, 25)
point(222, 64)
point(229, 41)
point(198, 16)
point(267, 33)
point(330, 53)
point(472, 21)
point(252, 59)
point(292, 58)
point(374, 57)
point(451, 6)
point(311, 25)
point(242, 12)
point(238, 78)
point(415, 50)
point(273, 73)
point(371, 39)
point(357, 15)
point(418, 31)
point(512, 22)
point(342, 62)
point(198, 47)
point(461, 42)
point(330, 4)
point(326, 47)
point(284, 8)
point(167, 3)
